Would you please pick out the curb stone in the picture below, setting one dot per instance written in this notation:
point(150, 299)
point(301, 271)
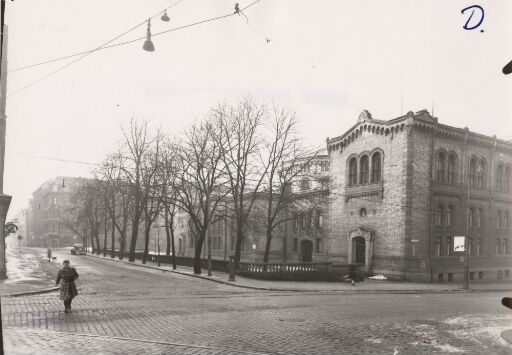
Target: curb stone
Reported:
point(299, 290)
point(30, 293)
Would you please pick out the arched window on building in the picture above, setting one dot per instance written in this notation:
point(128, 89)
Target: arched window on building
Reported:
point(438, 215)
point(497, 246)
point(506, 180)
point(352, 172)
point(471, 217)
point(470, 246)
point(376, 167)
point(437, 247)
point(448, 246)
point(499, 178)
point(498, 220)
point(440, 166)
point(364, 166)
point(505, 250)
point(477, 246)
point(452, 163)
point(479, 213)
point(480, 173)
point(472, 171)
point(449, 214)
point(505, 220)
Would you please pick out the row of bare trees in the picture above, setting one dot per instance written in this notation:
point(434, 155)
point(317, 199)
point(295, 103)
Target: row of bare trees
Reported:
point(235, 158)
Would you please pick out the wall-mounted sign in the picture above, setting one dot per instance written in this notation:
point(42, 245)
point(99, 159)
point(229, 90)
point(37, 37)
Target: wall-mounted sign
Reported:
point(459, 244)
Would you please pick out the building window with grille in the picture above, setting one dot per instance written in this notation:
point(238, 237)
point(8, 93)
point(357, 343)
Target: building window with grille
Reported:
point(352, 169)
point(320, 219)
point(437, 247)
point(481, 174)
point(499, 178)
point(440, 165)
point(305, 185)
point(318, 245)
point(376, 167)
point(449, 214)
point(472, 171)
point(506, 180)
point(452, 161)
point(364, 166)
point(438, 215)
point(448, 246)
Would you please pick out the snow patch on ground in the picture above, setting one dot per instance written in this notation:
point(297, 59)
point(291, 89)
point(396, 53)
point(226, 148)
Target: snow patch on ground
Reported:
point(378, 277)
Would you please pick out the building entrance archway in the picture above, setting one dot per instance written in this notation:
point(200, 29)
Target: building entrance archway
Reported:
point(360, 248)
point(306, 251)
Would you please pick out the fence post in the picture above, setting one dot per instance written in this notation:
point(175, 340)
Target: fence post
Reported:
point(231, 268)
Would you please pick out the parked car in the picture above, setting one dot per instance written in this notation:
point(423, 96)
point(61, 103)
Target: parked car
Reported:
point(78, 249)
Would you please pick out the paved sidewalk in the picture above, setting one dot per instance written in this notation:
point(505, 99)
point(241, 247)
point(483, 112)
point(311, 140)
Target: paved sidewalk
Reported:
point(28, 271)
point(368, 285)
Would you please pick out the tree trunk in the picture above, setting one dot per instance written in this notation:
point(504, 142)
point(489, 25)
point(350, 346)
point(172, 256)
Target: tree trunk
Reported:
point(133, 241)
point(105, 241)
point(147, 231)
point(239, 240)
point(168, 236)
point(267, 245)
point(123, 243)
point(113, 241)
point(98, 245)
point(172, 244)
point(197, 254)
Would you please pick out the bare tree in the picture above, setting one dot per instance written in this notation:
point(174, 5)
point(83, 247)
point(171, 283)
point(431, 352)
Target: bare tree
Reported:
point(152, 187)
point(287, 160)
point(137, 146)
point(117, 199)
point(239, 137)
point(201, 180)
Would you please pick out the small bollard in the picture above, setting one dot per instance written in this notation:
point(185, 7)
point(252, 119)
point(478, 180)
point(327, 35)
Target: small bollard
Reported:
point(231, 268)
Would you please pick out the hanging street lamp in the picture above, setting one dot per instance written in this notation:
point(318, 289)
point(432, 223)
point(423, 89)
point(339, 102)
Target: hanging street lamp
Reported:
point(148, 44)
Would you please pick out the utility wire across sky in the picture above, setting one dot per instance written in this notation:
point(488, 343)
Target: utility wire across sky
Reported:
point(106, 45)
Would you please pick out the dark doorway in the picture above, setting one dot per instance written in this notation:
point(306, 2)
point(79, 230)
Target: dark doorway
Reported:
point(306, 248)
point(359, 246)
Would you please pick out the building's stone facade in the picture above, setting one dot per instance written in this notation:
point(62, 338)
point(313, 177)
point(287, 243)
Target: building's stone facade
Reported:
point(399, 208)
point(412, 214)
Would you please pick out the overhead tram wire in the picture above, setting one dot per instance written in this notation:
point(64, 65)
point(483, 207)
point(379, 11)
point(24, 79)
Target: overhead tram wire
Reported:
point(106, 45)
point(83, 55)
point(58, 159)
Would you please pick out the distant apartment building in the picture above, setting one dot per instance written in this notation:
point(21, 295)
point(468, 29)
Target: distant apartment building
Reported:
point(45, 216)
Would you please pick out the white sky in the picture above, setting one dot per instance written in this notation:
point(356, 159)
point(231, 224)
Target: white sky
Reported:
point(328, 60)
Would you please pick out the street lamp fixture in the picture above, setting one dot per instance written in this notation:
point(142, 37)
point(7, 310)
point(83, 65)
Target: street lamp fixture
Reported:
point(164, 17)
point(148, 44)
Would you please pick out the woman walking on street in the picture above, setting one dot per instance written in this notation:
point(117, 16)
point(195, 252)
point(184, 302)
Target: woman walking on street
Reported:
point(68, 290)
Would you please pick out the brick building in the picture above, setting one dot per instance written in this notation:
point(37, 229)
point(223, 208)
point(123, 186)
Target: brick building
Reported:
point(45, 223)
point(395, 196)
point(399, 194)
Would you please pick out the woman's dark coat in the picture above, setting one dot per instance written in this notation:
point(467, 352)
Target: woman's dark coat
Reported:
point(67, 287)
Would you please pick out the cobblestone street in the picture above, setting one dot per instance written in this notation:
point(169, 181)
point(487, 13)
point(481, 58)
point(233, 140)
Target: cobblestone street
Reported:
point(130, 310)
